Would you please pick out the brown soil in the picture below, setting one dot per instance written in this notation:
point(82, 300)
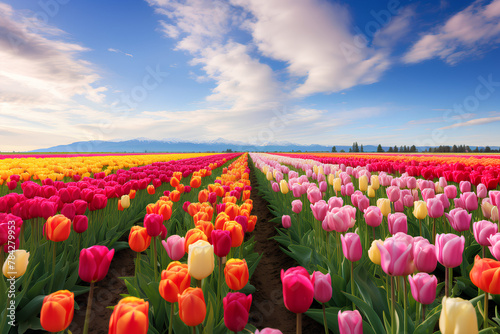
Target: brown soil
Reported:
point(268, 309)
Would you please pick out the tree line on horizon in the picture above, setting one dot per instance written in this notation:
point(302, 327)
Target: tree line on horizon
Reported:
point(413, 149)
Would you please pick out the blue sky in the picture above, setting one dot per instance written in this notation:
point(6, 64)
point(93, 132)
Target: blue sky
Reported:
point(255, 71)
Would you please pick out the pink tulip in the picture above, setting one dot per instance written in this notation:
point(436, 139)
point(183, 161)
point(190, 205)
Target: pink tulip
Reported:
point(80, 223)
point(322, 286)
point(286, 221)
point(314, 195)
point(483, 230)
point(348, 189)
point(411, 183)
point(298, 289)
point(363, 203)
point(428, 193)
point(450, 191)
point(397, 223)
point(482, 191)
point(424, 255)
point(465, 186)
point(459, 203)
point(470, 201)
point(408, 201)
point(275, 186)
point(350, 322)
point(435, 207)
point(323, 186)
point(319, 210)
point(423, 287)
point(396, 255)
point(449, 249)
point(442, 182)
point(373, 216)
point(399, 206)
point(268, 330)
point(335, 202)
point(236, 310)
point(297, 206)
point(459, 219)
point(94, 263)
point(393, 193)
point(494, 247)
point(351, 246)
point(296, 190)
point(495, 197)
point(444, 200)
point(69, 210)
point(175, 247)
point(153, 223)
point(337, 220)
point(355, 196)
point(351, 212)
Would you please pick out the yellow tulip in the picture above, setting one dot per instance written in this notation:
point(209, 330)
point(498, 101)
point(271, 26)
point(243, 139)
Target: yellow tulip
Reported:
point(375, 182)
point(200, 259)
point(494, 213)
point(337, 184)
point(457, 317)
point(363, 183)
point(420, 209)
point(269, 176)
point(438, 189)
point(331, 178)
point(16, 263)
point(125, 201)
point(384, 205)
point(374, 252)
point(371, 192)
point(284, 187)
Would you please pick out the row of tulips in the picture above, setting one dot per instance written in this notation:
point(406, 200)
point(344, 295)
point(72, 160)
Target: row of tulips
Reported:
point(56, 257)
point(209, 236)
point(475, 169)
point(374, 255)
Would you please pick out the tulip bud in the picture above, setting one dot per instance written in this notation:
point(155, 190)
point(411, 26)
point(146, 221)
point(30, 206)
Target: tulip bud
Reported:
point(350, 322)
point(80, 223)
point(423, 287)
point(457, 316)
point(236, 310)
point(351, 246)
point(221, 240)
point(94, 263)
point(173, 282)
point(449, 249)
point(192, 307)
point(130, 315)
point(175, 247)
point(486, 275)
point(200, 259)
point(16, 263)
point(57, 228)
point(57, 311)
point(420, 209)
point(363, 183)
point(125, 201)
point(322, 286)
point(298, 290)
point(397, 222)
point(384, 205)
point(374, 252)
point(236, 274)
point(483, 230)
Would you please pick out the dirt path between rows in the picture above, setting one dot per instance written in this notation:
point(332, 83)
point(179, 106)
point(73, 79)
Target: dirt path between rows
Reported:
point(268, 309)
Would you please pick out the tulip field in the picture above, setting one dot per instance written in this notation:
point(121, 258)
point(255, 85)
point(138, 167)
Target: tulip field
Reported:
point(375, 243)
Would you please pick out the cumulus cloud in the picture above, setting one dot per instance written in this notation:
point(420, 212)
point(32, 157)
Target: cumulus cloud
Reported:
point(466, 33)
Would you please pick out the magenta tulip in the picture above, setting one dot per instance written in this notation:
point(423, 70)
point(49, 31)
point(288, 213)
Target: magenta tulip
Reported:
point(94, 263)
point(153, 223)
point(373, 216)
point(236, 310)
point(319, 210)
point(80, 223)
point(483, 230)
point(297, 206)
point(298, 289)
point(350, 322)
point(449, 249)
point(397, 222)
point(396, 255)
point(175, 247)
point(322, 286)
point(424, 255)
point(351, 246)
point(221, 240)
point(459, 219)
point(423, 287)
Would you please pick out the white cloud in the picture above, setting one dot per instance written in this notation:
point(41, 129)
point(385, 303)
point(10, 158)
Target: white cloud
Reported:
point(466, 33)
point(472, 122)
point(120, 51)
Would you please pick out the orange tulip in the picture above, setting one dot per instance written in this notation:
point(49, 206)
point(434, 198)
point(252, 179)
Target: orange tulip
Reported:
point(220, 220)
point(132, 194)
point(229, 199)
point(173, 264)
point(194, 208)
point(236, 230)
point(57, 311)
point(232, 210)
point(203, 196)
point(200, 216)
point(252, 221)
point(236, 274)
point(151, 189)
point(194, 235)
point(151, 208)
point(195, 182)
point(120, 207)
point(166, 211)
point(180, 188)
point(57, 228)
point(138, 239)
point(177, 175)
point(174, 282)
point(206, 226)
point(246, 206)
point(192, 307)
point(130, 316)
point(175, 196)
point(174, 182)
point(486, 275)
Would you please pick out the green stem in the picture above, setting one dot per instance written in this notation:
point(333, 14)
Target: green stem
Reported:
point(89, 309)
point(486, 297)
point(393, 309)
point(299, 323)
point(198, 283)
point(324, 319)
point(352, 284)
point(405, 325)
point(54, 253)
point(451, 279)
point(423, 312)
point(171, 319)
point(420, 226)
point(446, 282)
point(417, 315)
point(434, 231)
point(155, 255)
point(219, 262)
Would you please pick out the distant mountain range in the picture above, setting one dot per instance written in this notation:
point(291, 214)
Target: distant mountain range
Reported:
point(141, 145)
